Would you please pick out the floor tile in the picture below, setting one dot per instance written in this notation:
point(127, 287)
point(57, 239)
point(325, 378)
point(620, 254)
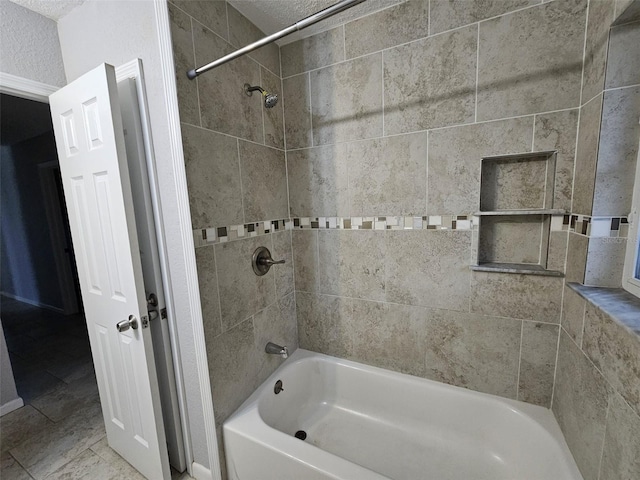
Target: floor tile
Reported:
point(10, 469)
point(65, 399)
point(59, 443)
point(20, 425)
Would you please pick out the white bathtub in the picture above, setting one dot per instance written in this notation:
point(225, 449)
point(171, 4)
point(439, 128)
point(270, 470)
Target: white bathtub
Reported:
point(367, 423)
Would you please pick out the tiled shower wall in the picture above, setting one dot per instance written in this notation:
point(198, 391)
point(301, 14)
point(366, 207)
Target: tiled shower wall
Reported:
point(597, 394)
point(236, 174)
point(390, 115)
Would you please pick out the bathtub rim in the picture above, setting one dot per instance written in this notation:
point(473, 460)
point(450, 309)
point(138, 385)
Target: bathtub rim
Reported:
point(248, 414)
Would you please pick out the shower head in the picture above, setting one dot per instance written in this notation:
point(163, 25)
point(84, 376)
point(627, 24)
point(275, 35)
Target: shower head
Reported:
point(270, 99)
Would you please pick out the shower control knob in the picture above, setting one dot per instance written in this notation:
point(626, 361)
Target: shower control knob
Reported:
point(262, 261)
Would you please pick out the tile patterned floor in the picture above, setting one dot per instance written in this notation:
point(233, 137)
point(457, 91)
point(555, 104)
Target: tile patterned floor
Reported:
point(59, 433)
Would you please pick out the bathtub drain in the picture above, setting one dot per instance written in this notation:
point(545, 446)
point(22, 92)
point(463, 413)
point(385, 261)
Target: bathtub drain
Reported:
point(301, 434)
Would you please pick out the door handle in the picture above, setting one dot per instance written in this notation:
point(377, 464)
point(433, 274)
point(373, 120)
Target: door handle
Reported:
point(124, 325)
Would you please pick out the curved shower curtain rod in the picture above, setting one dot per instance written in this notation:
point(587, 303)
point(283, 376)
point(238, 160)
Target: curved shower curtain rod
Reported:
point(310, 20)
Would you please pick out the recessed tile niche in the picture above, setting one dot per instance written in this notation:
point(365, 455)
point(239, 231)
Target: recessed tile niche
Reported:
point(516, 205)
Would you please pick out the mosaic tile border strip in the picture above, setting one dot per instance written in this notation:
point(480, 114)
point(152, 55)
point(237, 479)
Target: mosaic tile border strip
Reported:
point(211, 236)
point(607, 227)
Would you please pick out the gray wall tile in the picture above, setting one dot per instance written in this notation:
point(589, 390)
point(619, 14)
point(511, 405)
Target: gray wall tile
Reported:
point(428, 268)
point(615, 352)
point(388, 176)
point(573, 315)
point(233, 365)
point(389, 336)
point(276, 323)
point(448, 14)
point(537, 363)
point(620, 457)
point(580, 405)
point(323, 324)
point(184, 59)
point(529, 297)
point(242, 292)
point(297, 111)
point(517, 75)
point(318, 181)
point(213, 177)
point(264, 182)
point(395, 25)
point(282, 250)
point(212, 14)
point(623, 60)
point(455, 158)
point(586, 156)
point(209, 299)
point(595, 60)
point(576, 257)
point(318, 51)
point(558, 131)
point(605, 262)
point(242, 32)
point(557, 254)
point(224, 106)
point(510, 239)
point(617, 153)
point(423, 96)
point(473, 351)
point(305, 259)
point(346, 103)
point(273, 117)
point(351, 263)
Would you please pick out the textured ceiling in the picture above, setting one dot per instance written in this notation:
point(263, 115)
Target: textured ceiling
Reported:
point(273, 15)
point(53, 9)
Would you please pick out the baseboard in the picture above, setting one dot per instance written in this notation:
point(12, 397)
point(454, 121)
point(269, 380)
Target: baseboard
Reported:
point(35, 303)
point(11, 406)
point(200, 473)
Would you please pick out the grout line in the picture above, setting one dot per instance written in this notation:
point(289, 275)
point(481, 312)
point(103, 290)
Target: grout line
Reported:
point(429, 19)
point(263, 108)
point(193, 45)
point(215, 262)
point(457, 125)
point(613, 89)
point(310, 109)
point(584, 50)
point(426, 179)
point(382, 89)
point(232, 136)
point(604, 434)
point(584, 315)
point(519, 362)
point(475, 118)
point(555, 369)
point(241, 189)
point(344, 41)
point(226, 12)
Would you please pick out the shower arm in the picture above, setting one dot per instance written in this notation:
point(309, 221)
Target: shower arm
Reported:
point(310, 20)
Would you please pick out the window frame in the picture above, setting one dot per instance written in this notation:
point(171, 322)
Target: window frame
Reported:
point(629, 282)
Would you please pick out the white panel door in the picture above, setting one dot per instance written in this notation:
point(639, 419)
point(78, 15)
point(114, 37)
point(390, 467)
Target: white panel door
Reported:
point(90, 143)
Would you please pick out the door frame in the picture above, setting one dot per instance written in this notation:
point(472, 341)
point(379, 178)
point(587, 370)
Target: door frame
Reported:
point(55, 220)
point(199, 373)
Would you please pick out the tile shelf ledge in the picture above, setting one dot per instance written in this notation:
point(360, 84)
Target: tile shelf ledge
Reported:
point(521, 268)
point(617, 303)
point(533, 211)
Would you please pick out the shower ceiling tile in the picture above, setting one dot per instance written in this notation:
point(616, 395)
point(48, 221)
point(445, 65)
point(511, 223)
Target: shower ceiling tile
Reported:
point(530, 61)
point(430, 83)
point(447, 14)
point(346, 102)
